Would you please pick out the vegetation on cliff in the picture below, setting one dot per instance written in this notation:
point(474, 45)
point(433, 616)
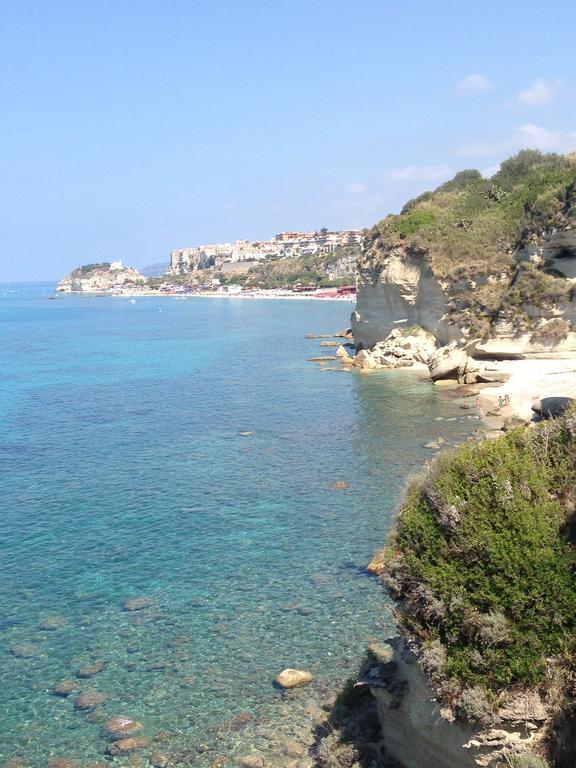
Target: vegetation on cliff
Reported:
point(88, 269)
point(484, 561)
point(470, 224)
point(478, 235)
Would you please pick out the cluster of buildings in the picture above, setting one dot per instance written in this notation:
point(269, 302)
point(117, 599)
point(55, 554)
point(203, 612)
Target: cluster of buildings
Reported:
point(281, 246)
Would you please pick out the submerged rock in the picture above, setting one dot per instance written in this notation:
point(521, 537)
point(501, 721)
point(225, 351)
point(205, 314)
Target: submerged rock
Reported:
point(137, 603)
point(65, 687)
point(125, 746)
point(158, 759)
point(25, 650)
point(90, 700)
point(251, 761)
point(294, 749)
point(96, 715)
point(120, 727)
point(89, 670)
point(290, 678)
point(53, 622)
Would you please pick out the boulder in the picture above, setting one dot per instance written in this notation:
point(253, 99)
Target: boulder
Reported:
point(120, 727)
point(125, 746)
point(468, 373)
point(447, 362)
point(342, 353)
point(485, 376)
point(377, 565)
point(90, 700)
point(65, 687)
point(290, 678)
point(251, 761)
point(294, 749)
point(158, 759)
point(89, 670)
point(512, 422)
point(446, 383)
point(552, 407)
point(402, 348)
point(364, 359)
point(25, 650)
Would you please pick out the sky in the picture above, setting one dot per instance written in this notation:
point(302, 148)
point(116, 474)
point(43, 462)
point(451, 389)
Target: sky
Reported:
point(130, 128)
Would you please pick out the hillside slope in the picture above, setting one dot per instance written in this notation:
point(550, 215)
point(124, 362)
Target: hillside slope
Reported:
point(485, 259)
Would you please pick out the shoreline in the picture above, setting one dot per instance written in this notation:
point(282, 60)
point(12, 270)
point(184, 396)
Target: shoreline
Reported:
point(272, 294)
point(530, 380)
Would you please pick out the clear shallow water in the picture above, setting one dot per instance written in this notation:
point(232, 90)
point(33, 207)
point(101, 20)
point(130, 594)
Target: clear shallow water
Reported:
point(123, 473)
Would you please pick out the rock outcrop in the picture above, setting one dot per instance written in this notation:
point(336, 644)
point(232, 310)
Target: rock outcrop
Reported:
point(460, 279)
point(101, 278)
point(402, 293)
point(420, 732)
point(400, 349)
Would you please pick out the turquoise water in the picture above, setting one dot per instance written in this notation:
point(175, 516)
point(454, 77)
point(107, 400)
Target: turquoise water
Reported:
point(124, 473)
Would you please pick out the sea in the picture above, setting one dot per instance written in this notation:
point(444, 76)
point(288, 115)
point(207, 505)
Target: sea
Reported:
point(186, 452)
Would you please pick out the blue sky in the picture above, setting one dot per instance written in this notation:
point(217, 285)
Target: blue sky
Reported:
point(130, 128)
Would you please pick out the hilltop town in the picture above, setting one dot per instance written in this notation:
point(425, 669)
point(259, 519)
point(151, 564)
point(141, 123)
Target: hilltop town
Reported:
point(282, 246)
point(294, 262)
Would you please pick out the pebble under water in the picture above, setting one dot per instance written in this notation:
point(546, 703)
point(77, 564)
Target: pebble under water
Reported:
point(185, 452)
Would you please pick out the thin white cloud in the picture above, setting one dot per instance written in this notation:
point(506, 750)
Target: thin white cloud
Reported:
point(475, 83)
point(527, 136)
point(540, 93)
point(356, 188)
point(421, 173)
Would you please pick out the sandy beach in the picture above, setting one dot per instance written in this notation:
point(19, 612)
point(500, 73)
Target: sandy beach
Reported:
point(530, 380)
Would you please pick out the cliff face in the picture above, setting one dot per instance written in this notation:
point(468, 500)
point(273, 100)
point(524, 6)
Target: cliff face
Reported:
point(401, 293)
point(488, 262)
point(420, 732)
point(97, 278)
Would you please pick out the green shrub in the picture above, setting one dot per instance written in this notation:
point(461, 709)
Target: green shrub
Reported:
point(496, 587)
point(414, 221)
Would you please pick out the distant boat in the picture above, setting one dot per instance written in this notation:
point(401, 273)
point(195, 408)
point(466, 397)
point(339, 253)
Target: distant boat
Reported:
point(132, 301)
